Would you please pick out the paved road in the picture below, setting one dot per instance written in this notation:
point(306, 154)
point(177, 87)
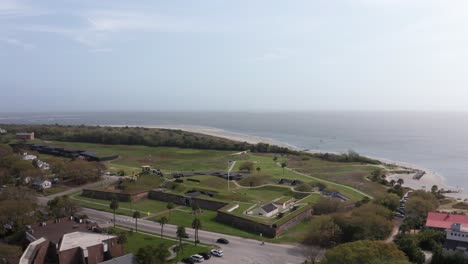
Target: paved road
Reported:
point(239, 250)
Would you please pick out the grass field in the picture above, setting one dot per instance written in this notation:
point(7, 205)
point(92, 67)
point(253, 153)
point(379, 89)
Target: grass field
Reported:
point(143, 183)
point(136, 241)
point(125, 208)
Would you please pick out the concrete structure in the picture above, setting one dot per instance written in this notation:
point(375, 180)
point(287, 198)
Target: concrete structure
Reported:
point(26, 136)
point(145, 169)
point(268, 210)
point(126, 259)
point(443, 221)
point(456, 238)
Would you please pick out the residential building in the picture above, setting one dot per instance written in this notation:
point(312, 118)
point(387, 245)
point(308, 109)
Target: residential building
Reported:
point(41, 184)
point(27, 156)
point(25, 135)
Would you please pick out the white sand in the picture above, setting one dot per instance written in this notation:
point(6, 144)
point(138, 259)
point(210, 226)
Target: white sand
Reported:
point(425, 183)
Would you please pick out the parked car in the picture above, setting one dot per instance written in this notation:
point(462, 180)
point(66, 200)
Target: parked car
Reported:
point(399, 215)
point(205, 255)
point(185, 235)
point(188, 261)
point(222, 241)
point(197, 258)
point(217, 252)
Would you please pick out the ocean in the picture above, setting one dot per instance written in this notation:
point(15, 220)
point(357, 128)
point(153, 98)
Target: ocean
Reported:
point(435, 141)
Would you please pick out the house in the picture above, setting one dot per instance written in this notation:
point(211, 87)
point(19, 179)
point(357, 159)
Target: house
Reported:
point(145, 169)
point(456, 238)
point(26, 156)
point(443, 221)
point(65, 241)
point(43, 165)
point(25, 136)
point(2, 131)
point(41, 184)
point(268, 210)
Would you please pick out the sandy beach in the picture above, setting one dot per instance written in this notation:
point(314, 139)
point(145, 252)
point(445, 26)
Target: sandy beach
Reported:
point(425, 183)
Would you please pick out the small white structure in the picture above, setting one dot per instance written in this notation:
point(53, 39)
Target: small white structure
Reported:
point(29, 157)
point(2, 131)
point(43, 165)
point(268, 210)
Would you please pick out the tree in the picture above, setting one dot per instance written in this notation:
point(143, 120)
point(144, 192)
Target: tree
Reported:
point(283, 165)
point(400, 181)
point(434, 189)
point(419, 205)
point(153, 254)
point(162, 221)
point(326, 205)
point(323, 232)
point(169, 207)
point(365, 252)
point(181, 234)
point(196, 224)
point(409, 245)
point(62, 206)
point(246, 166)
point(114, 205)
point(136, 215)
point(258, 170)
point(275, 158)
point(388, 200)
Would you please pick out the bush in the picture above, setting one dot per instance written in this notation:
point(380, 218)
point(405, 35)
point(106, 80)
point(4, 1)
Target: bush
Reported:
point(326, 205)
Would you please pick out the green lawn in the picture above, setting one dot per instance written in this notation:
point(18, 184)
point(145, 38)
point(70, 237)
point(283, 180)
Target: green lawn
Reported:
point(55, 189)
point(185, 218)
point(143, 205)
point(136, 241)
point(166, 158)
point(143, 183)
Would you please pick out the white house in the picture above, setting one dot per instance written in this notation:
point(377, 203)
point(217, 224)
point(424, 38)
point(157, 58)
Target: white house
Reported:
point(42, 185)
point(268, 210)
point(457, 238)
point(29, 157)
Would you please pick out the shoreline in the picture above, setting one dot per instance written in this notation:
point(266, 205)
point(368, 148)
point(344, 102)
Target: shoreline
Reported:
point(424, 183)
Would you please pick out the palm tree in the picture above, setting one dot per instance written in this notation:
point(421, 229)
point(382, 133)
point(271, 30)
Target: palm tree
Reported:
point(400, 181)
point(283, 165)
point(169, 207)
point(162, 221)
point(114, 205)
point(180, 234)
point(136, 215)
point(258, 170)
point(196, 224)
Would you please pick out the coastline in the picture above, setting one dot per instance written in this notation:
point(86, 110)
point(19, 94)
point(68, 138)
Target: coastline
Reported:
point(424, 183)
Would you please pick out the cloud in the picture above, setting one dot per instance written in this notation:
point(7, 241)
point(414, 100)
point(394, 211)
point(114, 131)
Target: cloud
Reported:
point(17, 43)
point(15, 8)
point(277, 54)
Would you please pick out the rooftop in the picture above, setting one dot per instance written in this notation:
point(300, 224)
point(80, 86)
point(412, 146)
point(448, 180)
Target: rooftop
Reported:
point(82, 240)
point(53, 231)
point(445, 220)
point(269, 207)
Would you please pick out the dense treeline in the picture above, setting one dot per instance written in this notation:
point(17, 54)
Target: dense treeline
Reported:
point(351, 156)
point(153, 137)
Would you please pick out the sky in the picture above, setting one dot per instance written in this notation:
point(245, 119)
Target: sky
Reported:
point(108, 55)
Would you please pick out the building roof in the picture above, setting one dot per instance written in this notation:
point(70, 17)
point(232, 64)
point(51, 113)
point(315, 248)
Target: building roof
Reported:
point(29, 253)
point(445, 220)
point(268, 208)
point(82, 240)
point(53, 231)
point(125, 259)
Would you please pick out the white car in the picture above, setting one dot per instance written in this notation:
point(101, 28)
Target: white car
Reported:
point(197, 258)
point(217, 252)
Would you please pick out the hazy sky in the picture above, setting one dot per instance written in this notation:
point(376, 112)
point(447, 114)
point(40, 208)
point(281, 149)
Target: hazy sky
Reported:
point(87, 55)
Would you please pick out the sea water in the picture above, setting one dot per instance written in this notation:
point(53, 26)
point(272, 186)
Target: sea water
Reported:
point(433, 140)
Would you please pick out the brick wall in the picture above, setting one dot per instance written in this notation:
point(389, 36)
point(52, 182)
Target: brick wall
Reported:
point(72, 256)
point(185, 200)
point(95, 254)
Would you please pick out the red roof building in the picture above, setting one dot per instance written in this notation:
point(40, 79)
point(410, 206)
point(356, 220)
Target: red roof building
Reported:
point(445, 220)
